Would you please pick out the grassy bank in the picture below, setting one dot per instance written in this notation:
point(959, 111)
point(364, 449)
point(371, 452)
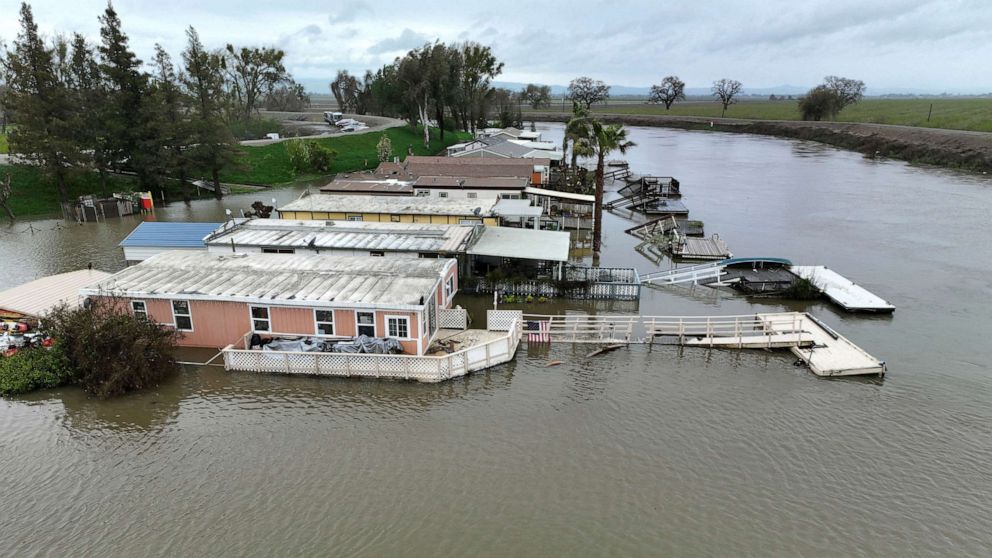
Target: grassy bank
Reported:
point(270, 164)
point(974, 114)
point(4, 146)
point(34, 194)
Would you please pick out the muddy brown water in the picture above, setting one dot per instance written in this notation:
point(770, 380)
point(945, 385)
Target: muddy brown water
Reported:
point(651, 451)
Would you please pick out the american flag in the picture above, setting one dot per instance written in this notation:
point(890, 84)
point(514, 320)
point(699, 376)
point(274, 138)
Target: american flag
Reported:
point(539, 331)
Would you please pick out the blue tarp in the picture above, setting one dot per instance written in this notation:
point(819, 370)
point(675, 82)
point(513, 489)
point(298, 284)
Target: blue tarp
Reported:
point(169, 235)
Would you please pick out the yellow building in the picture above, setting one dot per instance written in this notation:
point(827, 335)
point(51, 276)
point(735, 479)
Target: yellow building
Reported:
point(394, 209)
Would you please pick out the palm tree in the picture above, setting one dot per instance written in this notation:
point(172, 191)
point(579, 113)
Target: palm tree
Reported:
point(603, 140)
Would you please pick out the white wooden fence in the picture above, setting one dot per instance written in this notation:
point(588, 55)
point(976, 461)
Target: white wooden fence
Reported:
point(401, 367)
point(453, 318)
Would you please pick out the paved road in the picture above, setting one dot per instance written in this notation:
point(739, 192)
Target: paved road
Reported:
point(384, 124)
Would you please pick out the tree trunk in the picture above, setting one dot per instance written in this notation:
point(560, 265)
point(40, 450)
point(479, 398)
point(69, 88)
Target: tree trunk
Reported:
point(597, 233)
point(216, 176)
point(440, 120)
point(61, 186)
point(8, 211)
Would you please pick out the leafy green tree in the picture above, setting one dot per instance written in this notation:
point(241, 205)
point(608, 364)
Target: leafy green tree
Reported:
point(346, 89)
point(480, 67)
point(309, 156)
point(537, 96)
point(726, 90)
point(384, 148)
point(128, 135)
point(89, 98)
point(41, 105)
point(212, 147)
point(171, 122)
point(588, 91)
point(829, 98)
point(670, 90)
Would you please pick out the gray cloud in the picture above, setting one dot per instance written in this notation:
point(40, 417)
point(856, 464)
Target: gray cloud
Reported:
point(407, 40)
point(349, 11)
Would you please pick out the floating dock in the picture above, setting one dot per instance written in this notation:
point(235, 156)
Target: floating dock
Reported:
point(819, 347)
point(842, 291)
point(712, 248)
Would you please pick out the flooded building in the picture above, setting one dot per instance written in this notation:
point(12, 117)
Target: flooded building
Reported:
point(216, 300)
point(152, 237)
point(392, 209)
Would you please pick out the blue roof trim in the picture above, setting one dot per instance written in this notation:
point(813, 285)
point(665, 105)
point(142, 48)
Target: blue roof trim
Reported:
point(169, 235)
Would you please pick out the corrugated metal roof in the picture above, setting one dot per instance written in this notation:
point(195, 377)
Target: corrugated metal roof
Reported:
point(563, 195)
point(40, 296)
point(169, 235)
point(282, 279)
point(528, 244)
point(346, 235)
point(393, 205)
point(469, 182)
point(518, 208)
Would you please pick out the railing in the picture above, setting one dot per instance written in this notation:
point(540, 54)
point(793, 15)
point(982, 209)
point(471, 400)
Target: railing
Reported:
point(597, 283)
point(710, 328)
point(453, 318)
point(692, 274)
point(580, 328)
point(405, 367)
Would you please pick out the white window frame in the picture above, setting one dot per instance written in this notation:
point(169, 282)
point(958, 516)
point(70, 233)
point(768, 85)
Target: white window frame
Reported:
point(356, 218)
point(442, 194)
point(144, 308)
point(472, 195)
point(376, 253)
point(267, 319)
point(317, 322)
point(421, 193)
point(375, 328)
point(274, 250)
point(406, 319)
point(449, 287)
point(189, 308)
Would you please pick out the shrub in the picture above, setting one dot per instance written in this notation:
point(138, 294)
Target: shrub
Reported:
point(803, 289)
point(111, 352)
point(309, 156)
point(32, 369)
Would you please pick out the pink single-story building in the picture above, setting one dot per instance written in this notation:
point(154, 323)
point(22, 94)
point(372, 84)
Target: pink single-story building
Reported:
point(217, 299)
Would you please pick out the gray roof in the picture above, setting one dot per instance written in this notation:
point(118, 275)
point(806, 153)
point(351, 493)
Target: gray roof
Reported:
point(281, 279)
point(395, 205)
point(345, 235)
point(41, 296)
point(509, 242)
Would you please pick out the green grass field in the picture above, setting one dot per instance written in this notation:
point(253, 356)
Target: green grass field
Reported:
point(33, 194)
point(973, 114)
point(4, 147)
point(270, 164)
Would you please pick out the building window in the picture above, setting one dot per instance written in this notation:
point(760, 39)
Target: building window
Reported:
point(181, 315)
point(449, 287)
point(394, 218)
point(398, 326)
point(278, 251)
point(510, 196)
point(442, 194)
point(472, 195)
point(469, 221)
point(377, 254)
point(139, 309)
point(366, 323)
point(354, 217)
point(423, 193)
point(260, 318)
point(325, 322)
point(429, 255)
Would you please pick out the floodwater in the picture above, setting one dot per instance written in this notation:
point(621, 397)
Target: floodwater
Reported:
point(648, 451)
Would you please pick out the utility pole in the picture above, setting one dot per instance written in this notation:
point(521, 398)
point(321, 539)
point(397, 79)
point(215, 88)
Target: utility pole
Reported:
point(929, 113)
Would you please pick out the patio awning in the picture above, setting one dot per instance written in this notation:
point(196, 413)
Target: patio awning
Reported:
point(525, 244)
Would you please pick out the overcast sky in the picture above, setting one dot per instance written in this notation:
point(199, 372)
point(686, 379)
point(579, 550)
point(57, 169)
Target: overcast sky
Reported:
point(891, 45)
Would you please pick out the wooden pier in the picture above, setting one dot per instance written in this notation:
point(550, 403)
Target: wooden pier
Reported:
point(824, 351)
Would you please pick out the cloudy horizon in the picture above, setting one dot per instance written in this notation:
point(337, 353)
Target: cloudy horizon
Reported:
point(893, 46)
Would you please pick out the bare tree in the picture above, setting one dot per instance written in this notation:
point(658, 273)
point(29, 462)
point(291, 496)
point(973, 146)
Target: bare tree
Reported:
point(848, 91)
point(726, 90)
point(670, 89)
point(587, 91)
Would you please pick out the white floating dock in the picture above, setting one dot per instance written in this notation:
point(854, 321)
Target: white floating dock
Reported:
point(829, 354)
point(842, 291)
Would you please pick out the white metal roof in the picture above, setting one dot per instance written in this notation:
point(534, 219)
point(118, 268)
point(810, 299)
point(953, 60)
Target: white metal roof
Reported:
point(518, 208)
point(281, 279)
point(396, 205)
point(38, 297)
point(564, 195)
point(344, 235)
point(528, 244)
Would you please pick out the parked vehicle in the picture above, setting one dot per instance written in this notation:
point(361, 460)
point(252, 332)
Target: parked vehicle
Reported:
point(332, 118)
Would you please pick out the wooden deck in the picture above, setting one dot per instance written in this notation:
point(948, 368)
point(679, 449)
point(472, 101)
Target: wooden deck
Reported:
point(841, 290)
point(830, 353)
point(689, 248)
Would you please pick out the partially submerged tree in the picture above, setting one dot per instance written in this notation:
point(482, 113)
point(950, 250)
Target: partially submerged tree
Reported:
point(587, 91)
point(670, 90)
point(726, 90)
point(6, 192)
point(212, 147)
